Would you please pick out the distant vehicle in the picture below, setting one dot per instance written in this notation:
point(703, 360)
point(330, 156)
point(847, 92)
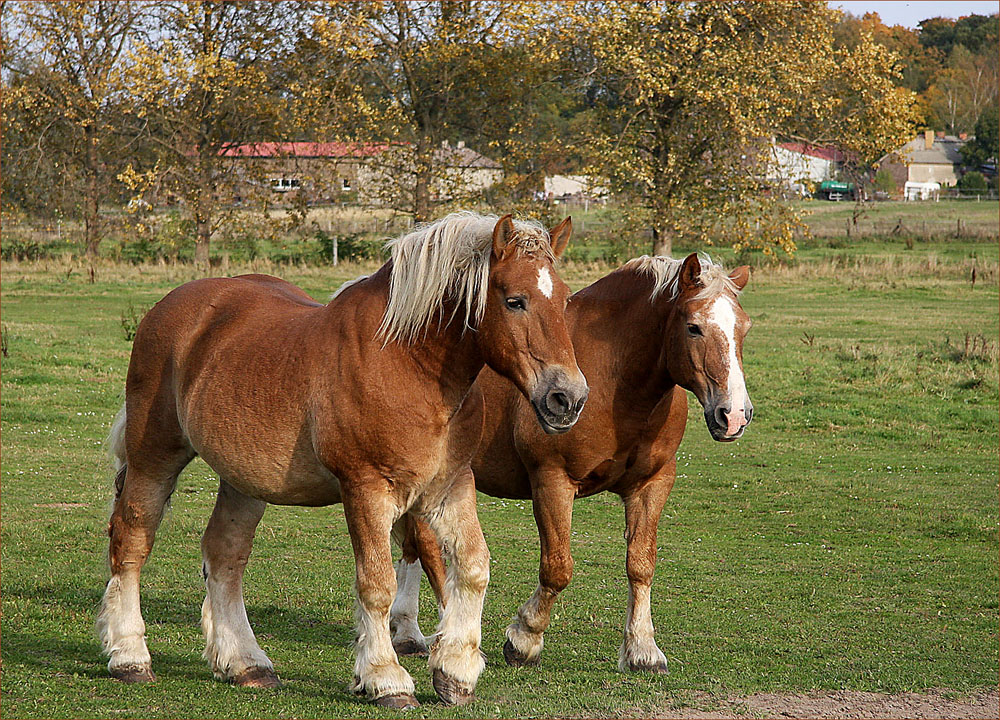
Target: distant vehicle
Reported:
point(835, 190)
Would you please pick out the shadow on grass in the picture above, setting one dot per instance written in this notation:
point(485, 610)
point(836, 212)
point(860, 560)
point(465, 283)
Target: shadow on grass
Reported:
point(59, 643)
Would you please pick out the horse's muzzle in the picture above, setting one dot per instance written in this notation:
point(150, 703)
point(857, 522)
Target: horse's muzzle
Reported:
point(558, 400)
point(726, 424)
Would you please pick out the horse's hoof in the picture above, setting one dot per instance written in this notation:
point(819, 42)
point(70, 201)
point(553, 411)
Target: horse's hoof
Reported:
point(401, 701)
point(257, 677)
point(133, 674)
point(451, 691)
point(655, 668)
point(410, 647)
point(515, 658)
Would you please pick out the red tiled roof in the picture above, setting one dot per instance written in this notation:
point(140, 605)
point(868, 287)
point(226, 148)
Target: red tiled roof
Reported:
point(816, 151)
point(304, 149)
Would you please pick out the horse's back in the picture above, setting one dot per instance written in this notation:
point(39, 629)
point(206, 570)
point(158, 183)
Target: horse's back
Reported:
point(282, 287)
point(197, 316)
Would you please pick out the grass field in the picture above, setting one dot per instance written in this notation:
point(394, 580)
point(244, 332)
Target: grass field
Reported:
point(849, 541)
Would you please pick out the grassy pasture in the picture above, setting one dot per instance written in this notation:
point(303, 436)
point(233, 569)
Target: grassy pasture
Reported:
point(849, 541)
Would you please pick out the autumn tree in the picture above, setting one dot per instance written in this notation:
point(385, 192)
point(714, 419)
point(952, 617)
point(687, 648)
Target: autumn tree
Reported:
point(62, 91)
point(691, 94)
point(207, 82)
point(917, 62)
point(964, 88)
point(430, 73)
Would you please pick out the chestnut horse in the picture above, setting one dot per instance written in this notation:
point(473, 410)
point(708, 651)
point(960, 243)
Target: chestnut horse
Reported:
point(368, 400)
point(642, 334)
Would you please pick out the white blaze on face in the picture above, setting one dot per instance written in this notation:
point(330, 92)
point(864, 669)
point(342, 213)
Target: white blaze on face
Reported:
point(545, 282)
point(724, 317)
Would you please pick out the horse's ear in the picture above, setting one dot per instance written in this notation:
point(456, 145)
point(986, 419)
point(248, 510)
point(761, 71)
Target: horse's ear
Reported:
point(503, 234)
point(690, 271)
point(740, 276)
point(559, 236)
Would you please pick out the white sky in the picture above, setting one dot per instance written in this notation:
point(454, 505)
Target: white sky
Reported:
point(911, 12)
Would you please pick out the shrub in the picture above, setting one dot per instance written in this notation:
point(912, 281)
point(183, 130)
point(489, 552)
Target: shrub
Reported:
point(355, 247)
point(884, 181)
point(972, 180)
point(131, 317)
point(167, 238)
point(16, 248)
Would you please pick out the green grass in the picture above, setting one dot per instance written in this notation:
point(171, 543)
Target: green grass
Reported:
point(849, 541)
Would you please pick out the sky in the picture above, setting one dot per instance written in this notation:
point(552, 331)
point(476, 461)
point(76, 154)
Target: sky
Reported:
point(911, 12)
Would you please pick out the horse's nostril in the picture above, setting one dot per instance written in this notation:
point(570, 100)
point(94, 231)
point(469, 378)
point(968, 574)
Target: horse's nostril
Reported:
point(557, 403)
point(720, 416)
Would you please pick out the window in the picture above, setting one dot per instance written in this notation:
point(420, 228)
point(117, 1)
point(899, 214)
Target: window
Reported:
point(285, 184)
point(345, 184)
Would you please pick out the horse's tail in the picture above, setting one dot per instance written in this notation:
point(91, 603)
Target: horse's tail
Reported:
point(116, 448)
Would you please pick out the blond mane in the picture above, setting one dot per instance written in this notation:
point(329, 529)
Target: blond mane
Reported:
point(449, 258)
point(665, 272)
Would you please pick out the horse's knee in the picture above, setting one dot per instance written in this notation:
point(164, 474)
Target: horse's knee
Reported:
point(375, 597)
point(640, 566)
point(556, 572)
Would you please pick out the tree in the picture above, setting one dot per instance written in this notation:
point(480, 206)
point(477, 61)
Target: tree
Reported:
point(977, 33)
point(208, 82)
point(63, 96)
point(983, 148)
point(690, 95)
point(917, 62)
point(964, 89)
point(429, 73)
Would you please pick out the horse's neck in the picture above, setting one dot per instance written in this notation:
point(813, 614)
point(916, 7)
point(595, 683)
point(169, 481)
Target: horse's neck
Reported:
point(443, 357)
point(449, 356)
point(629, 329)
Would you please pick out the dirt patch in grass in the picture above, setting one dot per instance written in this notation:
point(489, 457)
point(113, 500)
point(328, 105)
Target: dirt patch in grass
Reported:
point(848, 704)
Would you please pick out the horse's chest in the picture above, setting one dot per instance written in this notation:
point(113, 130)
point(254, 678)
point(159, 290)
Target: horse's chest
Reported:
point(607, 473)
point(618, 469)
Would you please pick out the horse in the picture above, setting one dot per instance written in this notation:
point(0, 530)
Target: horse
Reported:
point(643, 334)
point(368, 401)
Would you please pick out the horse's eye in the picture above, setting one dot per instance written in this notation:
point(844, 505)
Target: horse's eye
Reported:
point(516, 303)
point(694, 330)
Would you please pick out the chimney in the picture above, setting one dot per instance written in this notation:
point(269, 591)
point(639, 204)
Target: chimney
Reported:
point(928, 139)
point(963, 136)
point(461, 144)
point(444, 144)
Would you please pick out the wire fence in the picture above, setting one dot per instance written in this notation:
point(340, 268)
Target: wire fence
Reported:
point(908, 227)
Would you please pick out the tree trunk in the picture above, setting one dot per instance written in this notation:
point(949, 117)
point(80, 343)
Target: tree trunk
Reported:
point(204, 206)
point(422, 185)
point(663, 242)
point(202, 243)
point(91, 201)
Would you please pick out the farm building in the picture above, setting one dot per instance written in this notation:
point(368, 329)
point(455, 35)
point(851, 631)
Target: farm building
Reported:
point(928, 158)
point(351, 172)
point(795, 164)
point(572, 187)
